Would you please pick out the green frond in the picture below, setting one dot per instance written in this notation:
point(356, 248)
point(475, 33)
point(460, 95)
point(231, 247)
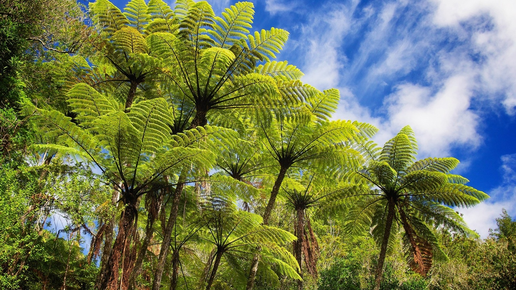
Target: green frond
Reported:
point(444, 165)
point(280, 69)
point(64, 150)
point(285, 269)
point(56, 125)
point(453, 178)
point(116, 134)
point(136, 12)
point(379, 223)
point(384, 174)
point(89, 104)
point(233, 25)
point(130, 40)
point(265, 44)
point(196, 23)
point(359, 218)
point(399, 152)
point(152, 120)
point(205, 137)
point(423, 181)
point(407, 130)
point(325, 104)
point(182, 7)
point(158, 9)
point(162, 25)
point(453, 194)
point(433, 213)
point(107, 17)
point(276, 251)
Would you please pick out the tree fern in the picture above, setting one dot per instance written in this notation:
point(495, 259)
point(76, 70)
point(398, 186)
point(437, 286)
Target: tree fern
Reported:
point(233, 25)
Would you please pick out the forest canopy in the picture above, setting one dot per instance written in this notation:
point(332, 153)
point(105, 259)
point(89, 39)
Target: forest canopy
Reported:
point(165, 147)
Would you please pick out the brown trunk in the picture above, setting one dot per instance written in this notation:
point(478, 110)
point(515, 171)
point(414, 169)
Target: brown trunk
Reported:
point(218, 257)
point(149, 231)
point(131, 94)
point(254, 269)
point(167, 235)
point(383, 248)
point(111, 277)
point(274, 194)
point(175, 269)
point(108, 244)
point(266, 217)
point(298, 245)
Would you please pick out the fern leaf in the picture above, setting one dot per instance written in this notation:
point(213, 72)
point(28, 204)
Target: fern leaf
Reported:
point(233, 25)
point(265, 44)
point(280, 69)
point(136, 12)
point(107, 17)
point(89, 104)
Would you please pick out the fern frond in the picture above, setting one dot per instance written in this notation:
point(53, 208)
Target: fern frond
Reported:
point(399, 152)
point(453, 194)
point(265, 44)
point(89, 104)
point(423, 181)
point(233, 25)
point(130, 40)
point(444, 165)
point(280, 69)
point(158, 9)
point(196, 23)
point(107, 17)
point(136, 12)
point(325, 104)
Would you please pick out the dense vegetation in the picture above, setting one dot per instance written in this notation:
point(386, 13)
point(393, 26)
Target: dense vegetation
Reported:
point(160, 148)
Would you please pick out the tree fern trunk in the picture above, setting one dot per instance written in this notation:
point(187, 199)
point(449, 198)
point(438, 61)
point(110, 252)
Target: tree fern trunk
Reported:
point(218, 257)
point(383, 248)
point(253, 270)
point(111, 276)
point(175, 269)
point(131, 94)
point(274, 194)
point(266, 217)
point(298, 245)
point(167, 235)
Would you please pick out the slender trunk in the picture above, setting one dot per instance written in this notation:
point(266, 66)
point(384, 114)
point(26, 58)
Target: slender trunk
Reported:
point(274, 194)
point(131, 94)
point(385, 241)
point(153, 214)
point(254, 269)
point(298, 245)
point(175, 269)
point(111, 276)
point(266, 217)
point(108, 243)
point(218, 257)
point(167, 235)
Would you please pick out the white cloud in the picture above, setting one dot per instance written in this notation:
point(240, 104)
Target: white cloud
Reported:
point(323, 60)
point(277, 6)
point(493, 28)
point(440, 120)
point(483, 216)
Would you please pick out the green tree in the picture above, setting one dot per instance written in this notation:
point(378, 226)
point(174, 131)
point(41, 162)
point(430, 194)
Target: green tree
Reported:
point(398, 191)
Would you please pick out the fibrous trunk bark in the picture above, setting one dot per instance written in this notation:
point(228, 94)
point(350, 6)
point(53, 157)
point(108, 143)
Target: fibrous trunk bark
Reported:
point(111, 277)
point(167, 235)
point(175, 269)
point(298, 245)
point(385, 241)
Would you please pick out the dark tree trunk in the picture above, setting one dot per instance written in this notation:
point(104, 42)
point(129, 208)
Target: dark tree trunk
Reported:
point(383, 248)
point(111, 277)
point(167, 235)
point(153, 214)
point(216, 264)
point(175, 269)
point(274, 194)
point(253, 270)
point(266, 217)
point(298, 245)
point(131, 94)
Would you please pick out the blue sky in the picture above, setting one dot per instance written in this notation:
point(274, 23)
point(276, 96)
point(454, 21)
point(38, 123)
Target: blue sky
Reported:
point(447, 68)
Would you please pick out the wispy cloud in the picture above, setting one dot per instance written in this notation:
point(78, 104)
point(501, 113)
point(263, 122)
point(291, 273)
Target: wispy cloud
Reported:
point(483, 216)
point(277, 6)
